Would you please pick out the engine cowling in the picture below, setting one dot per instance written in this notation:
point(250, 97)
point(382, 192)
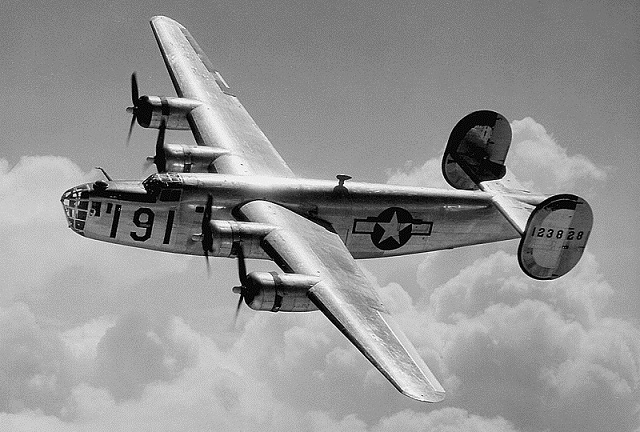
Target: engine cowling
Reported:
point(287, 292)
point(185, 158)
point(151, 110)
point(226, 234)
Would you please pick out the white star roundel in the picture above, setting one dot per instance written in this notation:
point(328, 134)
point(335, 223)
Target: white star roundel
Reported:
point(392, 228)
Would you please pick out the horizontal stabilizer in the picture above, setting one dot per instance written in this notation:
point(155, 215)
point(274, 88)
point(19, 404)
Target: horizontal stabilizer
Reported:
point(555, 237)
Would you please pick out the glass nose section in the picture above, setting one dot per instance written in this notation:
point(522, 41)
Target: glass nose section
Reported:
point(75, 203)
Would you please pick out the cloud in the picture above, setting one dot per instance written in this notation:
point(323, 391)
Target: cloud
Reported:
point(35, 368)
point(57, 273)
point(136, 352)
point(535, 158)
point(428, 174)
point(543, 352)
point(443, 420)
point(86, 347)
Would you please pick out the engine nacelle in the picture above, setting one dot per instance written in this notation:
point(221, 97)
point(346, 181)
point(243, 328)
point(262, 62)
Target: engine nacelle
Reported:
point(275, 292)
point(151, 110)
point(226, 234)
point(185, 158)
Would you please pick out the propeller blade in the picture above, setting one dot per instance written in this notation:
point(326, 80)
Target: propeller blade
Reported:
point(240, 300)
point(207, 240)
point(160, 159)
point(133, 122)
point(242, 266)
point(242, 273)
point(135, 99)
point(134, 89)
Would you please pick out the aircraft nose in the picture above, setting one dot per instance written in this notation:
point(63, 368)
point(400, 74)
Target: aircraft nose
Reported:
point(75, 203)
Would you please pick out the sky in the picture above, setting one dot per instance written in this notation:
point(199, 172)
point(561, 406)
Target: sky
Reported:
point(96, 336)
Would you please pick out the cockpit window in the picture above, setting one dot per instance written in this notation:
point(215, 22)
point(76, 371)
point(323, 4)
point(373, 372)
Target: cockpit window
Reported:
point(164, 180)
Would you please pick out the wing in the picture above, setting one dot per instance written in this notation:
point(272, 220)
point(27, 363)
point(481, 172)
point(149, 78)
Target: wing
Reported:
point(221, 121)
point(345, 296)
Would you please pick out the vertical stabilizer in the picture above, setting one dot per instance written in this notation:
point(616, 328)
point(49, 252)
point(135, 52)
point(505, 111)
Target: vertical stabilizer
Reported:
point(555, 237)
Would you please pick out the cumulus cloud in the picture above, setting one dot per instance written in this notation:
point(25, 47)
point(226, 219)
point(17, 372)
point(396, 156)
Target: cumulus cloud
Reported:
point(56, 273)
point(428, 174)
point(538, 159)
point(136, 352)
point(103, 337)
point(535, 158)
point(543, 352)
point(35, 368)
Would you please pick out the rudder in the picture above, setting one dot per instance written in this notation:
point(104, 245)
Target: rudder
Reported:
point(476, 150)
point(556, 236)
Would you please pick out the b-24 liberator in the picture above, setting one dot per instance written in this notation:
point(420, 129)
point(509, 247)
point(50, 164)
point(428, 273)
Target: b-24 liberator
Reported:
point(230, 194)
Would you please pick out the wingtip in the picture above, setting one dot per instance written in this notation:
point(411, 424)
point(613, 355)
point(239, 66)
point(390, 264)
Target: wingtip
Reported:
point(425, 391)
point(161, 18)
point(431, 396)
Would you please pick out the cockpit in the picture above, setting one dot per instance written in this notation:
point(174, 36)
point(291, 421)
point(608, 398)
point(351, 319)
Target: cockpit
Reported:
point(163, 180)
point(87, 200)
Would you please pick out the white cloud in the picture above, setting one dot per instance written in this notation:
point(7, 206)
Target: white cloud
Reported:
point(86, 349)
point(36, 371)
point(515, 345)
point(428, 174)
point(535, 158)
point(49, 267)
point(443, 420)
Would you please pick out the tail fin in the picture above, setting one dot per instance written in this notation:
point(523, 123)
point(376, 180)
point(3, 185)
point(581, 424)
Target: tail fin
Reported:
point(476, 150)
point(554, 230)
point(556, 236)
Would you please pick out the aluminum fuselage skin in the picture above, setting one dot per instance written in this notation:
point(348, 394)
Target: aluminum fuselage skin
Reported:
point(165, 212)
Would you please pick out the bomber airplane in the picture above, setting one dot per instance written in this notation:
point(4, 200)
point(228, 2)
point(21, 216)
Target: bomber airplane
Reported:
point(230, 194)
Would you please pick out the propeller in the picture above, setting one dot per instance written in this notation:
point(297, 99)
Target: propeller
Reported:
point(207, 246)
point(141, 110)
point(242, 273)
point(160, 158)
point(135, 99)
point(207, 235)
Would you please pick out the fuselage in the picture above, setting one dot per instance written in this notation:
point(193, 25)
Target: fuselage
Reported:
point(165, 212)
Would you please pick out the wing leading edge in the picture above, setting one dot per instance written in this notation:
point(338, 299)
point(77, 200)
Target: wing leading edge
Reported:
point(221, 121)
point(345, 296)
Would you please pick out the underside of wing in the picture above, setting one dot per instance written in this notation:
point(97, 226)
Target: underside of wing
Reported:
point(220, 121)
point(345, 296)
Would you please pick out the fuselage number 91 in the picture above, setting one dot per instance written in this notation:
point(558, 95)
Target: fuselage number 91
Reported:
point(143, 218)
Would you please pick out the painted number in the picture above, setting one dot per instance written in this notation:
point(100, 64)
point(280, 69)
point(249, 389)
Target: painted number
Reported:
point(143, 218)
point(557, 234)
